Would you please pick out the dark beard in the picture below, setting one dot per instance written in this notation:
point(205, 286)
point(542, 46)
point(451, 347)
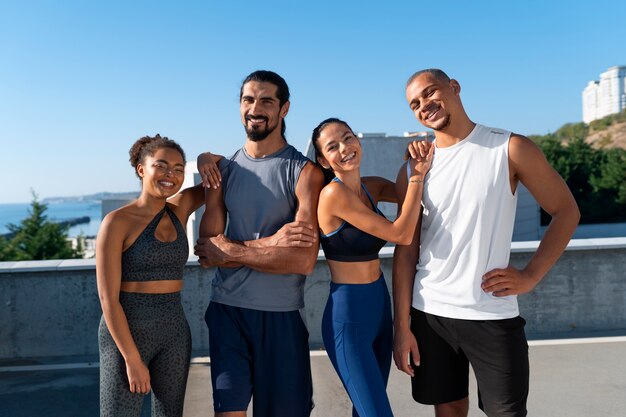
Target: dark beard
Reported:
point(257, 135)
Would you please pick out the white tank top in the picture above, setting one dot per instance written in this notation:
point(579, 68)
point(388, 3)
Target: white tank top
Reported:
point(467, 226)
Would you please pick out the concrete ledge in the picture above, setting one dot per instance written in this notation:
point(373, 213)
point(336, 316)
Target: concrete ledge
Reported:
point(386, 252)
point(51, 309)
point(574, 244)
point(51, 265)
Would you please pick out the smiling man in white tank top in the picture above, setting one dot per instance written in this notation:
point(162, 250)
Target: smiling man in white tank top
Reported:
point(455, 294)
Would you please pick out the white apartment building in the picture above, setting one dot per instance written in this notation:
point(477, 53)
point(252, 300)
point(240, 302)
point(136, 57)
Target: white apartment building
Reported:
point(605, 97)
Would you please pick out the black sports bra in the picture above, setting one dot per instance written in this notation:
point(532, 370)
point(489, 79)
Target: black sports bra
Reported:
point(149, 259)
point(349, 244)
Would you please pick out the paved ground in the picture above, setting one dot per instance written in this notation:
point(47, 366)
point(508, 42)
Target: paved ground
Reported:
point(573, 378)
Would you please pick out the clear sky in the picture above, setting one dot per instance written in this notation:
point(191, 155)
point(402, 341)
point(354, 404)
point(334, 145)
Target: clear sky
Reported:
point(81, 80)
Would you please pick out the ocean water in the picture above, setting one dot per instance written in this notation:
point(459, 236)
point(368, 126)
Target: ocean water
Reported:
point(14, 213)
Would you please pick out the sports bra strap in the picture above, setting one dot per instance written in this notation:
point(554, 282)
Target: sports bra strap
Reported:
point(369, 196)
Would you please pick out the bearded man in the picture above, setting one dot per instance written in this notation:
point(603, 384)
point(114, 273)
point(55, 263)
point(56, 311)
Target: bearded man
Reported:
point(269, 192)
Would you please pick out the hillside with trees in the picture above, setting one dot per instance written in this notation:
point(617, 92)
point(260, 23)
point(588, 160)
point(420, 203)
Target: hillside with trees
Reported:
point(591, 158)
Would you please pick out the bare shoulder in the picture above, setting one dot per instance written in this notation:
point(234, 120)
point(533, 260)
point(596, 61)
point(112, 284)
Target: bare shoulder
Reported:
point(525, 155)
point(119, 223)
point(332, 191)
point(312, 174)
point(309, 185)
point(520, 145)
point(120, 216)
point(335, 200)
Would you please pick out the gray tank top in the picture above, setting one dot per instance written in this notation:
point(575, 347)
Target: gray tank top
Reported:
point(260, 197)
point(149, 259)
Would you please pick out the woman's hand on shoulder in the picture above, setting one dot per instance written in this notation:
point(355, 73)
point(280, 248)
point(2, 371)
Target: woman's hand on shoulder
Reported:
point(421, 162)
point(209, 170)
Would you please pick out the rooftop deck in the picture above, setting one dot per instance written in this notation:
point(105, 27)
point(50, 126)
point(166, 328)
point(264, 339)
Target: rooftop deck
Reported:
point(572, 377)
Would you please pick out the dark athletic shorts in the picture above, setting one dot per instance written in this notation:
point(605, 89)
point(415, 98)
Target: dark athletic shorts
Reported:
point(262, 355)
point(496, 349)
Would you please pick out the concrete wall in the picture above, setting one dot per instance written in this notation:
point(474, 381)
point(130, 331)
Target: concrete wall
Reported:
point(51, 309)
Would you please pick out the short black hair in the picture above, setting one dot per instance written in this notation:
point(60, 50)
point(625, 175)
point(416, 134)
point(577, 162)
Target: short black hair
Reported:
point(435, 72)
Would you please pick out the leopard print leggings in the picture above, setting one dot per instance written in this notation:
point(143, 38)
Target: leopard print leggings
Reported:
point(161, 332)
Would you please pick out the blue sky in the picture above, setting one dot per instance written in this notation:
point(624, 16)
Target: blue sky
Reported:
point(80, 81)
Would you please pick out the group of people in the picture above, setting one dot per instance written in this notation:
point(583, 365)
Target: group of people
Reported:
point(268, 208)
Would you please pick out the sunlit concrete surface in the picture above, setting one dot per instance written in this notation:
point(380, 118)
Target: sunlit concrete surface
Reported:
point(574, 378)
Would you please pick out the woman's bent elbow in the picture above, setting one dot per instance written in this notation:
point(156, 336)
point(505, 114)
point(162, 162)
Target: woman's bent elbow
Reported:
point(403, 238)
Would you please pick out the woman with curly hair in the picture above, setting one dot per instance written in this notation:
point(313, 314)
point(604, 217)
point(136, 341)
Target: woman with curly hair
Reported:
point(141, 252)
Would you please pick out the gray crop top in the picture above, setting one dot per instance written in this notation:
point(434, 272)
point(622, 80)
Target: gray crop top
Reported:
point(149, 259)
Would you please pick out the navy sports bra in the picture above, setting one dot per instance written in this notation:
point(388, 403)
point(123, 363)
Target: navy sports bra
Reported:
point(149, 259)
point(349, 244)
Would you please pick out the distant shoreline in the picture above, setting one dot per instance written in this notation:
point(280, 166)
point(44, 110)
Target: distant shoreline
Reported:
point(89, 212)
point(92, 197)
point(81, 198)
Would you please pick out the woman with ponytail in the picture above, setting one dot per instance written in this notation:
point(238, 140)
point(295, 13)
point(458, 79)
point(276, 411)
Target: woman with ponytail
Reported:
point(357, 325)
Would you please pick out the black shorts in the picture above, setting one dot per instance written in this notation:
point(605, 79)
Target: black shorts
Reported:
point(496, 349)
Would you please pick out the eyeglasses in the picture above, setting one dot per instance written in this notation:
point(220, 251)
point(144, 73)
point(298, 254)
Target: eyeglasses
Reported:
point(166, 169)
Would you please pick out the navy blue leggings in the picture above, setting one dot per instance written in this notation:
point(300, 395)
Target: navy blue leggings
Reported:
point(358, 336)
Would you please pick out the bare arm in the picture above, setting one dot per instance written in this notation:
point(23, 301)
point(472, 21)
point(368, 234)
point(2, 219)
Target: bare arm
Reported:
point(528, 165)
point(381, 189)
point(190, 199)
point(261, 255)
point(212, 226)
point(187, 201)
point(418, 150)
point(405, 259)
point(213, 220)
point(108, 275)
point(208, 169)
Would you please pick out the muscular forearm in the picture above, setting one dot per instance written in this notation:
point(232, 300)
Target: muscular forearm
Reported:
point(276, 260)
point(553, 243)
point(405, 223)
point(263, 242)
point(403, 278)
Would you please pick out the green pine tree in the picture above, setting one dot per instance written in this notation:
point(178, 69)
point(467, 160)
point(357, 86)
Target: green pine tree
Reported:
point(6, 250)
point(37, 238)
